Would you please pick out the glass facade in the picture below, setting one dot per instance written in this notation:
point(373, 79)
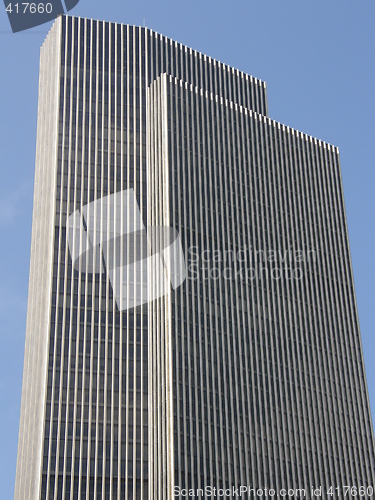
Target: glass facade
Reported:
point(256, 374)
point(84, 416)
point(251, 372)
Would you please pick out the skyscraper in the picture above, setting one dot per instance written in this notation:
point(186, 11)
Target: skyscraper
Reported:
point(248, 373)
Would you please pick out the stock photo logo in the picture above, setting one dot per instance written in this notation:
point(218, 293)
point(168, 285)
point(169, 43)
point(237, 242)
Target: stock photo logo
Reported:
point(108, 236)
point(24, 15)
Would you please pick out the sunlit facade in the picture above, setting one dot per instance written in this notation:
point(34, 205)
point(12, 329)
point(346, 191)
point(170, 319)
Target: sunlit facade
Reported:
point(249, 373)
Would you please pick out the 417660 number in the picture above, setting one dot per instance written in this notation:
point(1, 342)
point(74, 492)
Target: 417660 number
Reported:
point(351, 491)
point(29, 8)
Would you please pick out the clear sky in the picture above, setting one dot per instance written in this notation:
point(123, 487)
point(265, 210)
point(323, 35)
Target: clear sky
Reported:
point(318, 59)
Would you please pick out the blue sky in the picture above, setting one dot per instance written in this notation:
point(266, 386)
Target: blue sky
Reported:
point(318, 61)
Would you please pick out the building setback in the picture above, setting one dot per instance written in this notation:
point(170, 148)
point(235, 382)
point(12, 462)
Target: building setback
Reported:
point(249, 373)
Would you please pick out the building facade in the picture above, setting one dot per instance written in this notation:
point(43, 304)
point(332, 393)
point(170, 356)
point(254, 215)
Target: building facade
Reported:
point(249, 373)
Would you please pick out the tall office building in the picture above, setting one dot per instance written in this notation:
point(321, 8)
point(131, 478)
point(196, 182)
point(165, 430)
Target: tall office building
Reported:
point(251, 371)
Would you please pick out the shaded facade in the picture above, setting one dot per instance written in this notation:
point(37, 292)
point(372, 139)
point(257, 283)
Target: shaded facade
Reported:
point(248, 376)
point(264, 381)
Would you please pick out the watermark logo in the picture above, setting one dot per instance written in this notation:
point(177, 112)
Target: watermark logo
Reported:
point(248, 264)
point(24, 15)
point(108, 236)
